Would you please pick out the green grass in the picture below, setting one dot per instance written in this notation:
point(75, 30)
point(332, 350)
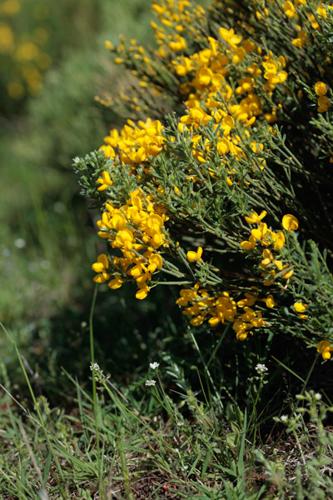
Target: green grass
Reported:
point(159, 440)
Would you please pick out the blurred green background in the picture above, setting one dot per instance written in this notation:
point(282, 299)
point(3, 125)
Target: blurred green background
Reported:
point(53, 64)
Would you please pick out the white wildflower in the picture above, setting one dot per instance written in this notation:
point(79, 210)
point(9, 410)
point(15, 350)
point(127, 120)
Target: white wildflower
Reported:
point(94, 367)
point(261, 369)
point(150, 383)
point(154, 365)
point(19, 243)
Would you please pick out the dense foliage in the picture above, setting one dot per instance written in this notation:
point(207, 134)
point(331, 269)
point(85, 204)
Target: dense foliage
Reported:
point(182, 372)
point(220, 180)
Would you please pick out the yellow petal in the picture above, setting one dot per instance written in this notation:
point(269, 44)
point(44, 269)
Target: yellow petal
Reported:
point(115, 283)
point(289, 222)
point(97, 267)
point(142, 293)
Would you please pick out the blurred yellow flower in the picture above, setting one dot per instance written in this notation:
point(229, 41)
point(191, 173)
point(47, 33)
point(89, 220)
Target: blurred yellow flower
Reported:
point(10, 7)
point(6, 39)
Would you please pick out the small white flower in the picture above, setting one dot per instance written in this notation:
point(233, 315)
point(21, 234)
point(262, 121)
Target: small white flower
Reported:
point(284, 418)
point(19, 243)
point(261, 369)
point(94, 367)
point(150, 383)
point(154, 365)
point(317, 396)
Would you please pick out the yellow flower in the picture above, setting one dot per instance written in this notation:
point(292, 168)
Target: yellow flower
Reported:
point(289, 9)
point(178, 44)
point(10, 7)
point(155, 262)
point(222, 146)
point(300, 41)
point(288, 274)
point(158, 9)
point(249, 244)
point(313, 21)
point(278, 264)
point(27, 51)
point(248, 300)
point(136, 229)
point(194, 256)
point(118, 221)
point(323, 104)
point(300, 307)
point(137, 271)
point(279, 240)
point(230, 36)
point(108, 45)
point(135, 143)
point(320, 88)
point(270, 301)
point(325, 348)
point(183, 66)
point(6, 38)
point(260, 232)
point(104, 180)
point(101, 264)
point(289, 222)
point(321, 11)
point(274, 73)
point(267, 258)
point(124, 239)
point(254, 218)
point(101, 267)
point(214, 321)
point(142, 293)
point(204, 76)
point(115, 283)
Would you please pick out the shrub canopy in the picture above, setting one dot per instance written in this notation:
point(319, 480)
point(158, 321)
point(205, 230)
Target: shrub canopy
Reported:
point(220, 180)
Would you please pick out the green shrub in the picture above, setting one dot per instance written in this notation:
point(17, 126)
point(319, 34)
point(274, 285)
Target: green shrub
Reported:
point(210, 186)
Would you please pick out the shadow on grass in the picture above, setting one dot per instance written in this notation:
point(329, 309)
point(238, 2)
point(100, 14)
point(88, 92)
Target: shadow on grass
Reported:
point(130, 334)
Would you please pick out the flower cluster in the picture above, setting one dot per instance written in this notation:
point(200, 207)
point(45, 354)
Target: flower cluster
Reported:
point(325, 348)
point(135, 143)
point(323, 101)
point(136, 232)
point(269, 241)
point(303, 18)
point(234, 90)
point(219, 308)
point(300, 308)
point(178, 20)
point(211, 99)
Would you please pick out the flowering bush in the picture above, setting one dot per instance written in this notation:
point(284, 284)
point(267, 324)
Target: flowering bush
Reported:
point(220, 180)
